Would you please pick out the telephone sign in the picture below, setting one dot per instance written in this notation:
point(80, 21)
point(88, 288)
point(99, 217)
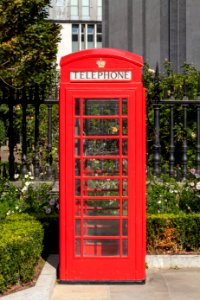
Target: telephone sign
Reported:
point(102, 167)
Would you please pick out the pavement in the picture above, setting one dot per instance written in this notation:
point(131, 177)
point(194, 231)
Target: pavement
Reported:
point(161, 284)
point(169, 277)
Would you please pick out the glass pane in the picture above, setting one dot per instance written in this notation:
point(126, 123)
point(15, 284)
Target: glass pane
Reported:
point(77, 107)
point(99, 28)
point(101, 248)
point(94, 107)
point(74, 2)
point(78, 228)
point(77, 167)
point(77, 207)
point(90, 29)
point(75, 28)
point(90, 41)
point(75, 46)
point(124, 126)
point(101, 127)
point(125, 208)
point(78, 187)
point(124, 248)
point(99, 12)
point(101, 167)
point(82, 29)
point(101, 147)
point(82, 41)
point(124, 107)
point(101, 227)
point(104, 187)
point(77, 127)
point(124, 147)
point(85, 11)
point(124, 227)
point(101, 207)
point(124, 167)
point(125, 187)
point(77, 147)
point(85, 2)
point(77, 247)
point(74, 11)
point(99, 41)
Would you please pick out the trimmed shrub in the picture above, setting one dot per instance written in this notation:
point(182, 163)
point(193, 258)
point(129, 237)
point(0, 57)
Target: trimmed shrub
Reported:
point(21, 239)
point(170, 233)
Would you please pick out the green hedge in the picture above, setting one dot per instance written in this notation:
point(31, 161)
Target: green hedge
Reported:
point(170, 233)
point(21, 238)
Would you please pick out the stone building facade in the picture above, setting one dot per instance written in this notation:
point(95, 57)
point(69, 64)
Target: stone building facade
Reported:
point(158, 30)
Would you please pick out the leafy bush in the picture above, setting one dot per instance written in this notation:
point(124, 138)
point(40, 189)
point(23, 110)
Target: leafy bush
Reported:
point(26, 197)
point(170, 233)
point(167, 195)
point(21, 239)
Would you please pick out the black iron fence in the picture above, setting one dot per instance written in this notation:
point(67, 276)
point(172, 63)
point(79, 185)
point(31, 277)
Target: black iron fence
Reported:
point(41, 166)
point(173, 146)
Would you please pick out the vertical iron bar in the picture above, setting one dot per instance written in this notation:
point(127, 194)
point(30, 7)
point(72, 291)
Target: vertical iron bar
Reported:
point(157, 157)
point(11, 158)
point(198, 130)
point(49, 145)
point(171, 147)
point(198, 140)
point(184, 157)
point(36, 156)
point(156, 105)
point(24, 136)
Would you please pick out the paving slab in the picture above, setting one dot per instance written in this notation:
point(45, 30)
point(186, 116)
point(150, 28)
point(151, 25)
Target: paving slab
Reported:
point(161, 284)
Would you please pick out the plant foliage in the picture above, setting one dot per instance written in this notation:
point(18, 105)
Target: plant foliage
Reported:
point(21, 239)
point(28, 43)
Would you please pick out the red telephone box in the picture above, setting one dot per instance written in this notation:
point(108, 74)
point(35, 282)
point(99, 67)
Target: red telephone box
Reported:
point(102, 167)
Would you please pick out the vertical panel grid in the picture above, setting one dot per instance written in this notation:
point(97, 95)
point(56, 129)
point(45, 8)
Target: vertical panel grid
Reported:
point(100, 190)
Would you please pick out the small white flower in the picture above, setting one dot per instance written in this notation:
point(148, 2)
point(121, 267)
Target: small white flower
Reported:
point(47, 210)
point(8, 213)
point(27, 183)
point(198, 186)
point(16, 176)
point(191, 184)
point(152, 71)
point(24, 189)
point(159, 202)
point(26, 176)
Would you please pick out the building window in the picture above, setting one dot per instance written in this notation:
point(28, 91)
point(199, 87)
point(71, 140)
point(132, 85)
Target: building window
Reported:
point(74, 8)
point(85, 8)
point(75, 37)
point(60, 3)
point(99, 35)
point(86, 36)
point(99, 9)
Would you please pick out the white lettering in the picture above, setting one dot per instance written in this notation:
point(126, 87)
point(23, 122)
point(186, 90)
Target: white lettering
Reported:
point(100, 75)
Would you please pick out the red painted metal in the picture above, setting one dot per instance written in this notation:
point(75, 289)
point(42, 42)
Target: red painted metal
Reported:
point(102, 168)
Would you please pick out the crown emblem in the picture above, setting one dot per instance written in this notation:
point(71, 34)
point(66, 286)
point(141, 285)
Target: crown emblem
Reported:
point(101, 63)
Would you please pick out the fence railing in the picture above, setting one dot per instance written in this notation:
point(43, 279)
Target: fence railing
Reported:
point(180, 153)
point(171, 152)
point(24, 98)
